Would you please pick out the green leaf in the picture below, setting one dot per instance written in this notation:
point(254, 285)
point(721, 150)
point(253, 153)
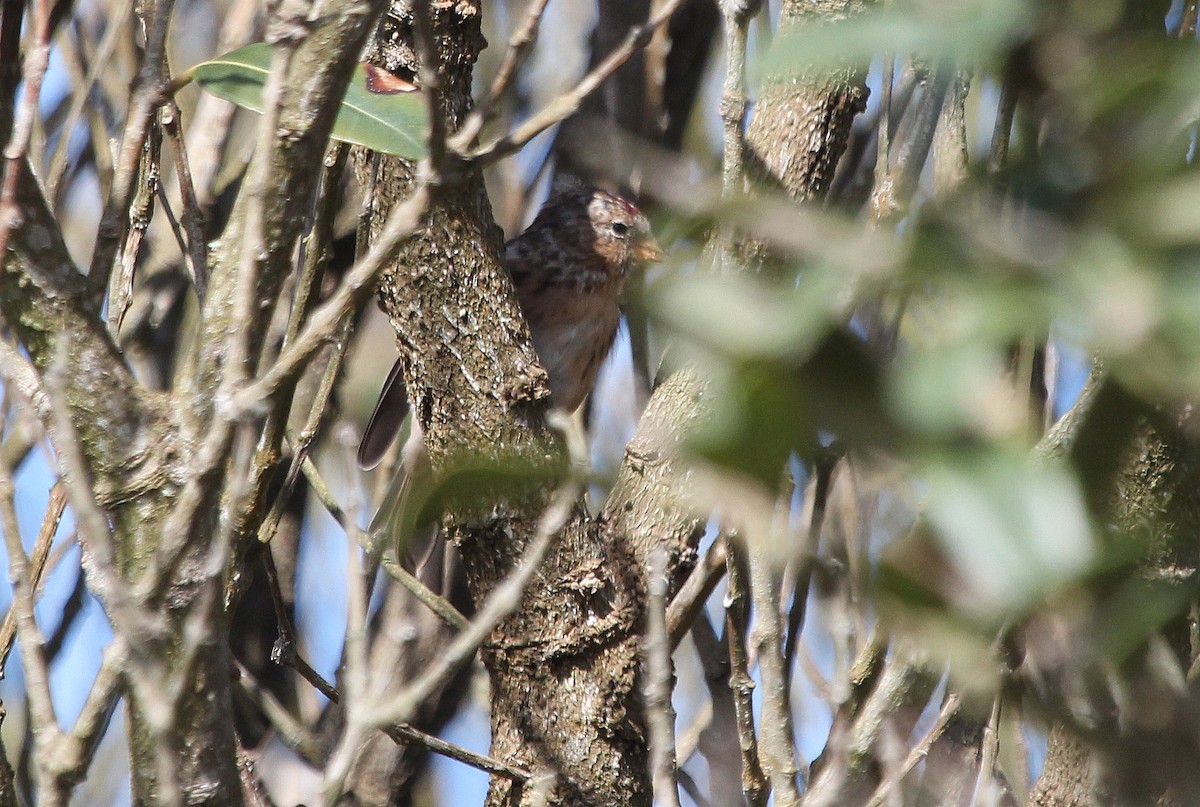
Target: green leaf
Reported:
point(380, 111)
point(1012, 528)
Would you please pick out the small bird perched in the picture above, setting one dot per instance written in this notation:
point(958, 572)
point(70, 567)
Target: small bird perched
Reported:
point(569, 269)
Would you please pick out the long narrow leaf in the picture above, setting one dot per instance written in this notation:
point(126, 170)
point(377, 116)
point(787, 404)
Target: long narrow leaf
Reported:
point(380, 111)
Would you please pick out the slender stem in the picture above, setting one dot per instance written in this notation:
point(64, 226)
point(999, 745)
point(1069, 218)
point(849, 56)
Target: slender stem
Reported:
point(151, 84)
point(690, 599)
point(357, 286)
point(37, 60)
point(522, 40)
point(436, 603)
point(755, 785)
point(659, 679)
point(807, 560)
point(41, 551)
point(776, 746)
point(568, 103)
point(917, 753)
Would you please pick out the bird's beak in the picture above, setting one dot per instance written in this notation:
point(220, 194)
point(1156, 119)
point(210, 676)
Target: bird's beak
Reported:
point(647, 249)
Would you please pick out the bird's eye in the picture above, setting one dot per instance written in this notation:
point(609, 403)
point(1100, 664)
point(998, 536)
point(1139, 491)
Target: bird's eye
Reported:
point(620, 228)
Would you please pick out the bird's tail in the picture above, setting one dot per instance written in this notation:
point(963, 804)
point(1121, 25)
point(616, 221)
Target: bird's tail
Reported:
point(397, 526)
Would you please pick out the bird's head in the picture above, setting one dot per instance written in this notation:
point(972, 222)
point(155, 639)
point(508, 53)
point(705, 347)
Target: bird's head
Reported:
point(621, 232)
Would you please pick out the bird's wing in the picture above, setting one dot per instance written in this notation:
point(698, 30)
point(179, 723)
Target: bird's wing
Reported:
point(386, 420)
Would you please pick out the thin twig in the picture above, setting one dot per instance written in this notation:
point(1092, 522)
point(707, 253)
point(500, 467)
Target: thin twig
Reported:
point(196, 253)
point(95, 716)
point(404, 733)
point(755, 785)
point(37, 59)
point(357, 286)
point(285, 650)
point(315, 251)
point(41, 551)
point(143, 106)
point(918, 752)
point(47, 735)
point(519, 43)
point(807, 558)
point(568, 103)
point(101, 60)
point(294, 734)
point(429, 75)
point(991, 748)
point(500, 602)
point(180, 533)
point(137, 222)
point(440, 606)
point(660, 716)
point(695, 591)
point(776, 745)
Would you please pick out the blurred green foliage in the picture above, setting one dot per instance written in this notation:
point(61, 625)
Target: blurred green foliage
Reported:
point(1087, 237)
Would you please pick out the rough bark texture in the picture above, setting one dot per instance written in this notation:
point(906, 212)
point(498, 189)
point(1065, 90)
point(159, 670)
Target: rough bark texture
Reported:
point(1066, 779)
point(801, 125)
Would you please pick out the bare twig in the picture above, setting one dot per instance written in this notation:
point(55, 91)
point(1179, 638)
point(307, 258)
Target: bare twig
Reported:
point(101, 60)
point(658, 686)
point(46, 734)
point(918, 752)
point(986, 781)
point(137, 222)
point(285, 650)
point(776, 746)
point(695, 591)
point(94, 717)
point(294, 734)
point(436, 603)
point(210, 126)
point(430, 78)
point(179, 533)
point(522, 39)
point(755, 785)
point(357, 286)
point(568, 103)
point(196, 253)
point(315, 251)
point(41, 551)
point(501, 602)
point(404, 733)
point(802, 578)
point(37, 59)
point(143, 107)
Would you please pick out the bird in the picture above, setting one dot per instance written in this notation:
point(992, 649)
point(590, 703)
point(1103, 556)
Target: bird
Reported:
point(569, 269)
